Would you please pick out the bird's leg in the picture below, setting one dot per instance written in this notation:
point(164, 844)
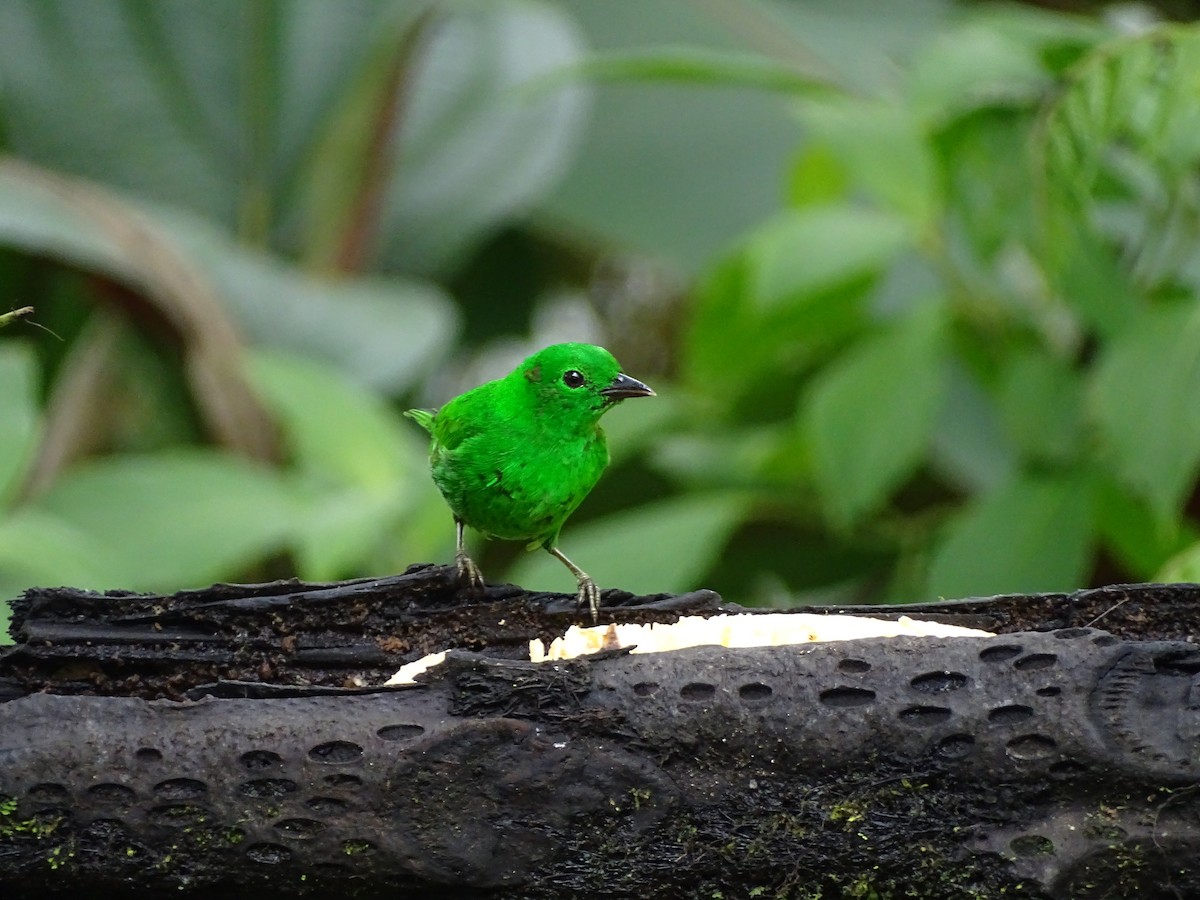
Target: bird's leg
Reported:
point(471, 577)
point(588, 592)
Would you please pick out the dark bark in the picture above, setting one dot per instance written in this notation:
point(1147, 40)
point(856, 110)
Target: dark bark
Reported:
point(208, 742)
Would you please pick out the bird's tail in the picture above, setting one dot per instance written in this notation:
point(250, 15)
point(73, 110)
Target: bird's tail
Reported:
point(423, 417)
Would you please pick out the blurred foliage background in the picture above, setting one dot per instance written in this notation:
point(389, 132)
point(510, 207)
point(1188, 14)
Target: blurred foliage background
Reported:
point(918, 288)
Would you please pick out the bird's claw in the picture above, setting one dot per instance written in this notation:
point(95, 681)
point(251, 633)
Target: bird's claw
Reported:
point(589, 594)
point(469, 574)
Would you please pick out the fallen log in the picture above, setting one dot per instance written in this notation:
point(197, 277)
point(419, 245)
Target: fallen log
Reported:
point(238, 739)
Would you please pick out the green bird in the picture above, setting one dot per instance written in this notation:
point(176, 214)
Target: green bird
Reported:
point(516, 456)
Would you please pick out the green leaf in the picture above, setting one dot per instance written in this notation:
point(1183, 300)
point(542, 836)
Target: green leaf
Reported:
point(384, 332)
point(720, 331)
point(1121, 146)
point(471, 151)
point(884, 151)
point(194, 119)
point(871, 415)
point(818, 176)
point(333, 427)
point(242, 132)
point(727, 458)
point(804, 252)
point(42, 216)
point(1100, 289)
point(1140, 540)
point(976, 65)
point(154, 86)
point(1031, 535)
point(174, 520)
point(39, 548)
point(739, 357)
point(18, 412)
point(1183, 567)
point(992, 214)
point(340, 531)
point(657, 547)
point(629, 161)
point(969, 447)
point(358, 462)
point(1041, 402)
point(1144, 401)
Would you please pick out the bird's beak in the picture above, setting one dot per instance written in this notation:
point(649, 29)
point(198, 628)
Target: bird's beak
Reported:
point(623, 386)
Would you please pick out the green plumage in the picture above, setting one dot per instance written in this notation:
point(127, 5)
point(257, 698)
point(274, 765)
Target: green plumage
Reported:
point(516, 456)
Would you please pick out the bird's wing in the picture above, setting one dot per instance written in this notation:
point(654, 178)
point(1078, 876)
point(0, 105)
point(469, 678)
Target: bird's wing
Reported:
point(462, 419)
point(455, 423)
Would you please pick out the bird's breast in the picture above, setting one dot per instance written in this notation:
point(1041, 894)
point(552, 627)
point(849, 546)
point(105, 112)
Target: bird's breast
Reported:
point(521, 487)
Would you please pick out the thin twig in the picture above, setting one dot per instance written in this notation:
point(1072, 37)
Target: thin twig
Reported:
point(24, 313)
point(1120, 602)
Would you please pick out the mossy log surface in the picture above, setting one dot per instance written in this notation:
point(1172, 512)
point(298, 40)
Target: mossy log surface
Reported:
point(239, 739)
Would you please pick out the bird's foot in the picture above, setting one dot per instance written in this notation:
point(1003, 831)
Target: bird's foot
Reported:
point(469, 573)
point(589, 594)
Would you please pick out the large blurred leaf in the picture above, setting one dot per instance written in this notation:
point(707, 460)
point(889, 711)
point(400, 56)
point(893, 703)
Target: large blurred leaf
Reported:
point(991, 207)
point(1041, 401)
point(1031, 535)
point(803, 252)
point(1184, 566)
point(1141, 540)
point(674, 171)
point(76, 223)
point(18, 412)
point(724, 458)
point(43, 214)
point(657, 547)
point(885, 152)
point(975, 65)
point(41, 548)
point(1100, 290)
point(355, 460)
point(132, 101)
point(969, 448)
point(469, 149)
point(722, 338)
point(796, 288)
point(385, 332)
point(1145, 402)
point(211, 107)
point(870, 417)
point(220, 108)
point(334, 428)
point(742, 366)
point(173, 519)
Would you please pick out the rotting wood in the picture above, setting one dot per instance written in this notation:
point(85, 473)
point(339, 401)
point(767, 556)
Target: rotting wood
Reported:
point(1056, 761)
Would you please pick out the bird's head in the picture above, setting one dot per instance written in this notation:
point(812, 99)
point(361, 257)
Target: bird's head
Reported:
point(581, 381)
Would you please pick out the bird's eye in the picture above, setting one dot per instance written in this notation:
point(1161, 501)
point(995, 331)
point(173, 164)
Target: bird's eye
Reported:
point(573, 378)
